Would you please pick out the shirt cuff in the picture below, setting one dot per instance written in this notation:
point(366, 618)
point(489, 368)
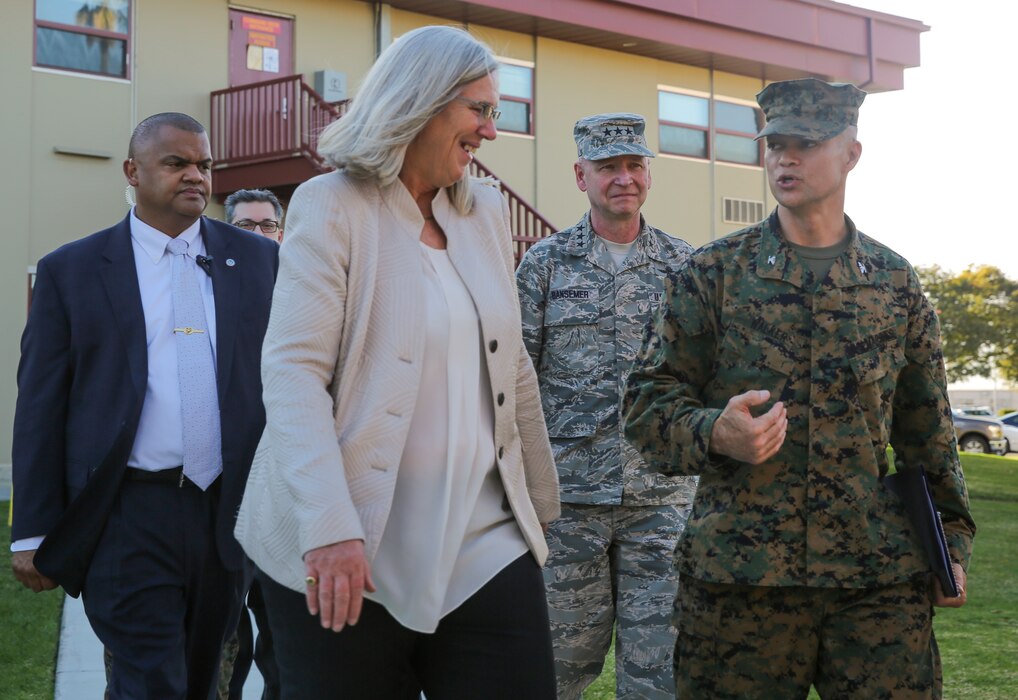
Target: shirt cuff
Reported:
point(28, 544)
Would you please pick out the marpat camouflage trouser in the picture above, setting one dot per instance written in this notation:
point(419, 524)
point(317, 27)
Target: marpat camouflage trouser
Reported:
point(613, 565)
point(756, 642)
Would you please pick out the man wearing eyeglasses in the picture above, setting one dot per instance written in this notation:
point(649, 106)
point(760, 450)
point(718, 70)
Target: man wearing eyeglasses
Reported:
point(586, 295)
point(258, 211)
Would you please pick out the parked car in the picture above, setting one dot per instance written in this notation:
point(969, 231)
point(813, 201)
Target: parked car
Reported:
point(1010, 421)
point(976, 410)
point(979, 434)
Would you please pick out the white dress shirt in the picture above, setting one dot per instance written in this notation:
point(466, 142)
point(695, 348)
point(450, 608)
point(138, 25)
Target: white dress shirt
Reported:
point(159, 442)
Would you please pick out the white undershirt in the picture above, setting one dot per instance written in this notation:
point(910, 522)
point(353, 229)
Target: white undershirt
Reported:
point(618, 251)
point(447, 533)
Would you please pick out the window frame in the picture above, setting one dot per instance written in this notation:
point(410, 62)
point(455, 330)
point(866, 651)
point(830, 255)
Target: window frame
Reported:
point(520, 100)
point(87, 31)
point(711, 130)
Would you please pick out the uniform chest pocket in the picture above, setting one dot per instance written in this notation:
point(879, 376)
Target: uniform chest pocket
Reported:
point(570, 332)
point(875, 364)
point(744, 349)
point(748, 359)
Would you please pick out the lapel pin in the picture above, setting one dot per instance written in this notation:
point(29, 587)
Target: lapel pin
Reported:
point(230, 262)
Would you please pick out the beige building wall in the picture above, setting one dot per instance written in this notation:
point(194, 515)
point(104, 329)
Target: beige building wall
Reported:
point(179, 54)
point(686, 193)
point(15, 132)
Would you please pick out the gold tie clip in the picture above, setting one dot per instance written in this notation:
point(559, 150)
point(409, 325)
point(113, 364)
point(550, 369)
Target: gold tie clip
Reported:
point(188, 330)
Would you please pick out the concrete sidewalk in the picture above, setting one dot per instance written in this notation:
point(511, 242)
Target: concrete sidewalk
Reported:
point(80, 671)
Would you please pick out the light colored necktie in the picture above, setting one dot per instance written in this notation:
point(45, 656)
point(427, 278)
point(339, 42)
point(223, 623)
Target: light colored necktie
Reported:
point(196, 372)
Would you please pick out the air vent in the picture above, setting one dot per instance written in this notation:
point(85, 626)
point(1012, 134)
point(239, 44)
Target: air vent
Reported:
point(742, 211)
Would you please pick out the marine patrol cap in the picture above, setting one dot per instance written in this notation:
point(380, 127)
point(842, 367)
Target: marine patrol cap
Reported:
point(602, 136)
point(809, 108)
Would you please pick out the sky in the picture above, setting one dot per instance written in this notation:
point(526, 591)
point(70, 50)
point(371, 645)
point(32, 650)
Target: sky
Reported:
point(933, 182)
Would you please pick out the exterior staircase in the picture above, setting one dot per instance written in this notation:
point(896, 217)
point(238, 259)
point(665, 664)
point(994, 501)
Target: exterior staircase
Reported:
point(265, 135)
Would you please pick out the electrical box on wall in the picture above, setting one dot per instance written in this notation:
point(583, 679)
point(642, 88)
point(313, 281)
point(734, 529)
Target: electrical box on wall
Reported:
point(331, 85)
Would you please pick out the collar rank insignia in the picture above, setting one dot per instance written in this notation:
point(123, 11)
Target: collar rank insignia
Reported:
point(862, 267)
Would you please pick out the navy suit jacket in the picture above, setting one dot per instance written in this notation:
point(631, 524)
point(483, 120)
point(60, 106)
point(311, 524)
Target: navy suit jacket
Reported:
point(82, 381)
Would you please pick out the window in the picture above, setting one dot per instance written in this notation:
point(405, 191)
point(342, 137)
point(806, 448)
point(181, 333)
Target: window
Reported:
point(516, 102)
point(735, 127)
point(90, 36)
point(685, 121)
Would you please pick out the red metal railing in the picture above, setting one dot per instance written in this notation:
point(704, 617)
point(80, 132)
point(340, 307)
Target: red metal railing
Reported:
point(270, 120)
point(528, 226)
point(282, 118)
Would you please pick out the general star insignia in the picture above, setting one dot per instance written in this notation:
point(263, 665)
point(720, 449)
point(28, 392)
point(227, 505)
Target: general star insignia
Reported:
point(862, 268)
point(770, 260)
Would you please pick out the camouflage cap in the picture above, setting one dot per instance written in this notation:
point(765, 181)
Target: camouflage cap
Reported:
point(809, 108)
point(601, 136)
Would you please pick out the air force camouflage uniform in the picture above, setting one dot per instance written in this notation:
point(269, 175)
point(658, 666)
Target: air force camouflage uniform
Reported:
point(808, 545)
point(583, 321)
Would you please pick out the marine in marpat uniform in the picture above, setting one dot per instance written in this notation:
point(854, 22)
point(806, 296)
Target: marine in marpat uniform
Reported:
point(782, 362)
point(586, 294)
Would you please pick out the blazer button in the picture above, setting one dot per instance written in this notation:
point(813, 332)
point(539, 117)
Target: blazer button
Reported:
point(493, 345)
point(501, 398)
point(501, 451)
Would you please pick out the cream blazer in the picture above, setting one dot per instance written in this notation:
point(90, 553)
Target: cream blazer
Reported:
point(341, 368)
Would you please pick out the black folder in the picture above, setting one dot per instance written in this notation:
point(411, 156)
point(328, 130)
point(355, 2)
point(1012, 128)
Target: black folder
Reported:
point(911, 486)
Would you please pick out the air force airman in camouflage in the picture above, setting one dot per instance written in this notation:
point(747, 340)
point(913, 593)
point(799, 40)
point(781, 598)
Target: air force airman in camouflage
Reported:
point(783, 360)
point(587, 293)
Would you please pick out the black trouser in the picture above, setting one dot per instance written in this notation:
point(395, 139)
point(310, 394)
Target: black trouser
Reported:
point(259, 650)
point(495, 645)
point(156, 593)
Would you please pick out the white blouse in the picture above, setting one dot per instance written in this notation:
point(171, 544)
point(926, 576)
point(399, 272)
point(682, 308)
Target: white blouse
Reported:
point(448, 533)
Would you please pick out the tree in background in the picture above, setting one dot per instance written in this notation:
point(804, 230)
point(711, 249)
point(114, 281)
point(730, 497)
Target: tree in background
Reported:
point(978, 311)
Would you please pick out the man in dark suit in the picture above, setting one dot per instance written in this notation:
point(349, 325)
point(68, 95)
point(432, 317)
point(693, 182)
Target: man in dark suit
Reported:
point(139, 410)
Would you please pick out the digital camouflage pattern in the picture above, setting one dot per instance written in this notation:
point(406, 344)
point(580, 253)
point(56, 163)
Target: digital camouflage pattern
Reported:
point(602, 136)
point(856, 359)
point(226, 664)
point(583, 323)
point(762, 643)
point(809, 108)
point(581, 587)
point(610, 558)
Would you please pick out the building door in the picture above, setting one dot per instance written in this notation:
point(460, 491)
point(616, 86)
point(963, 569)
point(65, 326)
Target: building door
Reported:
point(261, 47)
point(254, 119)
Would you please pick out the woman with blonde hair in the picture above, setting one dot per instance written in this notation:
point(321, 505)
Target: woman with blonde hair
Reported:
point(402, 485)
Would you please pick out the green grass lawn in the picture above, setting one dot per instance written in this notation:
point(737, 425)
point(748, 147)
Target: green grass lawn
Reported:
point(29, 629)
point(978, 643)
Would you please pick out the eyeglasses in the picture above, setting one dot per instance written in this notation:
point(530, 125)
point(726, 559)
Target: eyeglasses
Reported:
point(484, 110)
point(266, 225)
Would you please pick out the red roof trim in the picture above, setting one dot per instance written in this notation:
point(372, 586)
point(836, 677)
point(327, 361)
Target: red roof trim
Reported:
point(766, 39)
